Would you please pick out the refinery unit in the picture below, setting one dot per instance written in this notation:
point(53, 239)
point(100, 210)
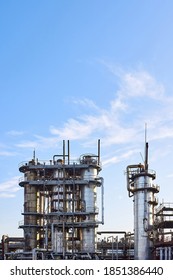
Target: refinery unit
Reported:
point(62, 216)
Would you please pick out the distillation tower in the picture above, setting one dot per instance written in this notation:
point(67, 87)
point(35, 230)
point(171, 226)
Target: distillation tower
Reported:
point(60, 204)
point(140, 186)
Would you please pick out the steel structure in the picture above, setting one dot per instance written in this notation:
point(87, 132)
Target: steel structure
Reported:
point(61, 213)
point(164, 234)
point(60, 204)
point(140, 186)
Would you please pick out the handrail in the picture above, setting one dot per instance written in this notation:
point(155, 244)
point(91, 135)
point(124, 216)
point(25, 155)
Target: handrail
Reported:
point(50, 162)
point(164, 204)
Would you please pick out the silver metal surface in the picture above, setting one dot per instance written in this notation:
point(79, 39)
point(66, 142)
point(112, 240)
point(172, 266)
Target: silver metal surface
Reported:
point(88, 195)
point(142, 218)
point(58, 241)
point(60, 209)
point(30, 207)
point(88, 240)
point(140, 186)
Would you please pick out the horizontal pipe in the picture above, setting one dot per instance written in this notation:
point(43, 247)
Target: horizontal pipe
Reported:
point(112, 232)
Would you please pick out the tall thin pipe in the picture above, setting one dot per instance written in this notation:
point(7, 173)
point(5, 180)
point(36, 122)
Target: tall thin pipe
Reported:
point(68, 146)
point(102, 190)
point(64, 151)
point(146, 157)
point(98, 151)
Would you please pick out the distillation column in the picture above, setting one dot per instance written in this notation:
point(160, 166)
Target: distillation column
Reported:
point(60, 211)
point(30, 208)
point(140, 186)
point(88, 196)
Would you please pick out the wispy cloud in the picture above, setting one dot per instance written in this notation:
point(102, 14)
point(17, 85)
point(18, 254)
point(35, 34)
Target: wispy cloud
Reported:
point(119, 158)
point(140, 98)
point(7, 154)
point(15, 133)
point(27, 144)
point(6, 150)
point(9, 187)
point(85, 102)
point(73, 129)
point(110, 121)
point(141, 83)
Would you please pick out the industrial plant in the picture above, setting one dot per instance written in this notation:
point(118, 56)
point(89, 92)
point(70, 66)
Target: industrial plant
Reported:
point(62, 213)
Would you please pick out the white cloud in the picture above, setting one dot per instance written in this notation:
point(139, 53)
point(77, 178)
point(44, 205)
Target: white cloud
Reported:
point(27, 144)
point(163, 132)
point(6, 195)
point(7, 153)
point(119, 158)
point(15, 133)
point(9, 187)
point(118, 105)
point(74, 129)
point(85, 102)
point(135, 83)
point(141, 83)
point(109, 123)
point(123, 121)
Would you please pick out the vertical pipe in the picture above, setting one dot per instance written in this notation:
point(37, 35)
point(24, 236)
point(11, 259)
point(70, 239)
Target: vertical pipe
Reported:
point(46, 237)
point(169, 253)
point(34, 155)
point(102, 195)
point(73, 208)
point(98, 151)
point(161, 253)
point(64, 203)
point(117, 248)
point(64, 239)
point(68, 144)
point(112, 247)
point(146, 157)
point(165, 249)
point(52, 236)
point(63, 151)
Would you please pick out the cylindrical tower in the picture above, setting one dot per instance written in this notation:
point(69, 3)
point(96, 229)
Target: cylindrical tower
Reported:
point(140, 186)
point(89, 196)
point(30, 208)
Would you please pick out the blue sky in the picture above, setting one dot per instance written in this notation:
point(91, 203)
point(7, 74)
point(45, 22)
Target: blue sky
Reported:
point(86, 70)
